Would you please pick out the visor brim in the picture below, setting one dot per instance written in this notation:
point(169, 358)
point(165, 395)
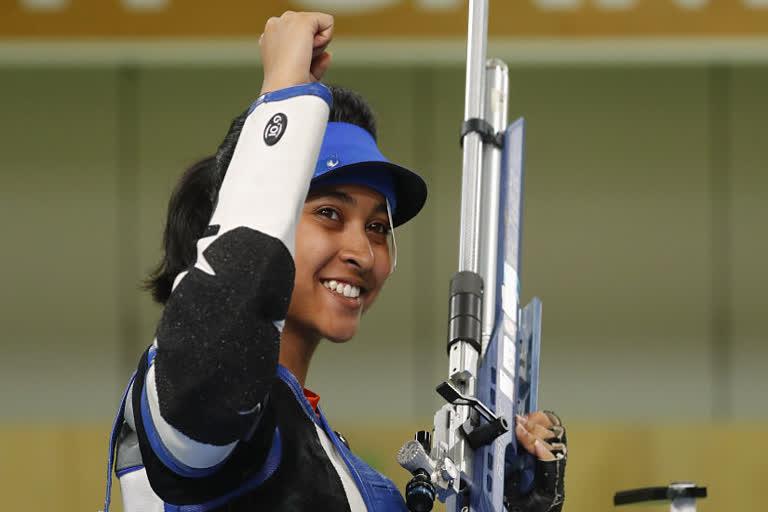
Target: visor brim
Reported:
point(410, 188)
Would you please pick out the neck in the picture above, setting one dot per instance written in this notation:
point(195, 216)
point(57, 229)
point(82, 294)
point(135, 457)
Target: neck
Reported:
point(296, 349)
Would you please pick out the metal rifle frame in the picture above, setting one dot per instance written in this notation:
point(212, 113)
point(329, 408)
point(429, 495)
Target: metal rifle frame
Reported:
point(493, 345)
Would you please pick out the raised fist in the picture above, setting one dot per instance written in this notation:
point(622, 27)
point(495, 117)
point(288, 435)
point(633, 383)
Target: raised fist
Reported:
point(293, 49)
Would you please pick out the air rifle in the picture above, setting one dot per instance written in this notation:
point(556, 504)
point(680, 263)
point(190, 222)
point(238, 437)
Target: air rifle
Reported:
point(493, 343)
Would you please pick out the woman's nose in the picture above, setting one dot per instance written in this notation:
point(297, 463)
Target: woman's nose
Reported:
point(357, 249)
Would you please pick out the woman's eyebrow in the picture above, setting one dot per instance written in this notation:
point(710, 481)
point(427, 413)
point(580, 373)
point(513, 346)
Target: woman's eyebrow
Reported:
point(335, 194)
point(344, 198)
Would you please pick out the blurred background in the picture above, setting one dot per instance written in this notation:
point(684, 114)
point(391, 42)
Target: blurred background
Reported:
point(644, 227)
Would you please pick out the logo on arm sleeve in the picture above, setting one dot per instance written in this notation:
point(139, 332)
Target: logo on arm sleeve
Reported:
point(275, 129)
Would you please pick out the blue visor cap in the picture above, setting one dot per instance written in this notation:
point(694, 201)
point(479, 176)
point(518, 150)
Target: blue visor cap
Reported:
point(349, 155)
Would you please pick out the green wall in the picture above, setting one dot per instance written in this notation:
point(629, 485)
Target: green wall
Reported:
point(643, 234)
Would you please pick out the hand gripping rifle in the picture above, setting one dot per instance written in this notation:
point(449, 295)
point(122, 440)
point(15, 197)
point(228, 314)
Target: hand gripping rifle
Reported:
point(493, 344)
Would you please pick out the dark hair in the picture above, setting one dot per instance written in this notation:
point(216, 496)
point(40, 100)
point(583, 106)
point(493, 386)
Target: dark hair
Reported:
point(194, 197)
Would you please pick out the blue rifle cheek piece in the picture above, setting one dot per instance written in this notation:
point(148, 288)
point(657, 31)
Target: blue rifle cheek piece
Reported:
point(349, 155)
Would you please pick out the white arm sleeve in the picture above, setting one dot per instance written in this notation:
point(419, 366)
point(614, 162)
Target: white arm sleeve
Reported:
point(264, 189)
point(265, 186)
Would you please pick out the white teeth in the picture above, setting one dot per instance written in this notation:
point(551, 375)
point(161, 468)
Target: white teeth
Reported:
point(344, 289)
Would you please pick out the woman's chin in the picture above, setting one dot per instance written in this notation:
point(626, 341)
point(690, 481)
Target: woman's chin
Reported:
point(339, 326)
point(340, 335)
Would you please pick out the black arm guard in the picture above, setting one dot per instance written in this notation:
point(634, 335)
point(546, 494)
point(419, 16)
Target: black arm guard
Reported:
point(218, 346)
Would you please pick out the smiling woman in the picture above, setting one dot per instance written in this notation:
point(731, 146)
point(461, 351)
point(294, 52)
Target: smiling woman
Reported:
point(281, 240)
point(342, 246)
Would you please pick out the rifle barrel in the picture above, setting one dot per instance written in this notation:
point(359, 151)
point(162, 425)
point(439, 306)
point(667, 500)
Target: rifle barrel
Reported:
point(474, 107)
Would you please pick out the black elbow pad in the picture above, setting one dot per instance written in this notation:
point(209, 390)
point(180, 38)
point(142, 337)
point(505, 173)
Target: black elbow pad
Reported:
point(218, 344)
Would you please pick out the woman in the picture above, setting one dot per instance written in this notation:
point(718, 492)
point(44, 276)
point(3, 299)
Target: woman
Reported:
point(281, 240)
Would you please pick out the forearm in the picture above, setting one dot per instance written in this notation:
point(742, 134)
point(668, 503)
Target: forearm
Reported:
point(218, 340)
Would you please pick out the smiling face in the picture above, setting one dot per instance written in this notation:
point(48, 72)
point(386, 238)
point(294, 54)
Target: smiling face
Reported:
point(342, 260)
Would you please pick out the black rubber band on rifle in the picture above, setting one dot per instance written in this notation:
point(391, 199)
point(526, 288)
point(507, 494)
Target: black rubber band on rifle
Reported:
point(484, 128)
point(464, 309)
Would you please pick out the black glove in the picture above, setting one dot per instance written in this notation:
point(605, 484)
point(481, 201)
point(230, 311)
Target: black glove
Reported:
point(548, 490)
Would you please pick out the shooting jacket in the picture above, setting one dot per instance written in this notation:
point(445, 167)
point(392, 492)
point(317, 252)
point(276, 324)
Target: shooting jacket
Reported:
point(210, 421)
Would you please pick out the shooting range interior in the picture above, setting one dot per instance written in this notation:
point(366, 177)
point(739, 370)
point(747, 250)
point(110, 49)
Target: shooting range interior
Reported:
point(646, 200)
